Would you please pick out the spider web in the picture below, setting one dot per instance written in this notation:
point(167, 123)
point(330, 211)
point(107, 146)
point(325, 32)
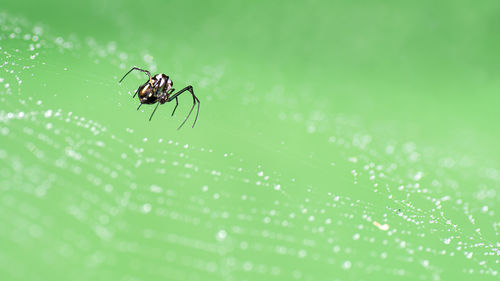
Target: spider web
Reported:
point(79, 192)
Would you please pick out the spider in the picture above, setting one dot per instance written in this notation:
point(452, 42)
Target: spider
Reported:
point(158, 89)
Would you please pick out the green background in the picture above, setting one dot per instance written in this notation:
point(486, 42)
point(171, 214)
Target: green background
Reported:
point(337, 140)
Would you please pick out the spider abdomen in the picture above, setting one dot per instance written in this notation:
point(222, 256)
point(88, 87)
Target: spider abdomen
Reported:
point(147, 94)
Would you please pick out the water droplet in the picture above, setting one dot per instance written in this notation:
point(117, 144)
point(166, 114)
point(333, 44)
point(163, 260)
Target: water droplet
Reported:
point(221, 235)
point(146, 208)
point(346, 265)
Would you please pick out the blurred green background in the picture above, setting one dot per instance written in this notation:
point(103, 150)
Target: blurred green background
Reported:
point(337, 140)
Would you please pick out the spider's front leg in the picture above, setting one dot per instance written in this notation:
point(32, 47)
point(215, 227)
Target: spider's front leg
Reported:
point(176, 104)
point(166, 99)
point(195, 100)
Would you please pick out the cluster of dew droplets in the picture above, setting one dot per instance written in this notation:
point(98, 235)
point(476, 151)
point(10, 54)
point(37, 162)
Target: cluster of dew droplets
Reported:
point(428, 195)
point(20, 48)
point(426, 204)
point(421, 205)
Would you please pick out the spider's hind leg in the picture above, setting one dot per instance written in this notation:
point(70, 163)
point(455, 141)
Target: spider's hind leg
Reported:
point(136, 92)
point(136, 68)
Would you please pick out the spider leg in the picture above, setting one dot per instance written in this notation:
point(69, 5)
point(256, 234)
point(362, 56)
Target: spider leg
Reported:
point(176, 104)
point(139, 106)
point(136, 92)
point(136, 68)
point(154, 111)
point(195, 100)
point(197, 110)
